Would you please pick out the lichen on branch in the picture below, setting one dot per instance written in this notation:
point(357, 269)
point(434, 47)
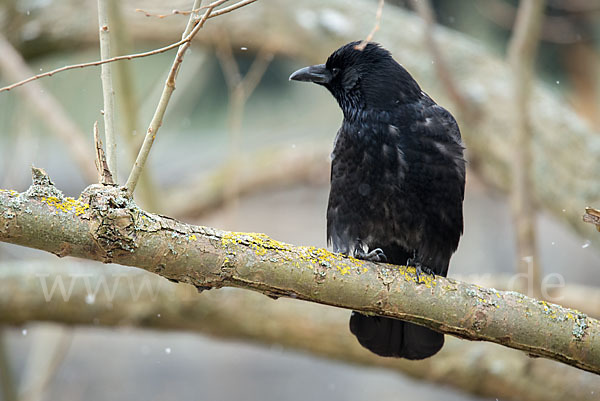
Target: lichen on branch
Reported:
point(104, 224)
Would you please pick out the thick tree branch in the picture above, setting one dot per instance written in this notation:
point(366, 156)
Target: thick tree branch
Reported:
point(98, 296)
point(105, 225)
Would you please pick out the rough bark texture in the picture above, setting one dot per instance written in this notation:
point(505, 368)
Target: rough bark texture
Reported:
point(139, 299)
point(106, 226)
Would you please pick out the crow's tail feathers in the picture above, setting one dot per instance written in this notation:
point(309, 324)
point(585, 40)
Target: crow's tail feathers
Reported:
point(396, 338)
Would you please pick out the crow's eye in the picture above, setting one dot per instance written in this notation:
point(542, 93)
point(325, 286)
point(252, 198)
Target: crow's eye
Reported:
point(335, 71)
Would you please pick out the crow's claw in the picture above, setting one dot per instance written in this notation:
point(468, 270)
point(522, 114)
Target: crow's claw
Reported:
point(376, 255)
point(419, 268)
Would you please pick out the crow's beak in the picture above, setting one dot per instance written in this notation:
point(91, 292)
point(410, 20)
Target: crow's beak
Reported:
point(318, 74)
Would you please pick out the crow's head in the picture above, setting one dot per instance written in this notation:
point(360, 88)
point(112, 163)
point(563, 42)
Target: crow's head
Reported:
point(363, 80)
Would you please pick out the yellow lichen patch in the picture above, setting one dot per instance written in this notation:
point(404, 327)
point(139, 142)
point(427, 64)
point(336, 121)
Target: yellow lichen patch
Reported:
point(322, 257)
point(67, 204)
point(261, 244)
point(193, 237)
point(410, 274)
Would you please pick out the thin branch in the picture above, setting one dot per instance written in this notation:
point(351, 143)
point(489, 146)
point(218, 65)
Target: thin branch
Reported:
point(166, 95)
point(103, 225)
point(425, 11)
point(129, 103)
point(231, 8)
point(107, 89)
point(94, 63)
point(216, 13)
point(361, 46)
point(174, 12)
point(522, 51)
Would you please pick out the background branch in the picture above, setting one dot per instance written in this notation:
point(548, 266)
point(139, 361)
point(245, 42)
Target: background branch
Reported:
point(49, 110)
point(7, 380)
point(268, 169)
point(464, 106)
point(522, 52)
point(475, 367)
point(240, 88)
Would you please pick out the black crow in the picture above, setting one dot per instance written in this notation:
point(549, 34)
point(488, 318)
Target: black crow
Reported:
point(397, 181)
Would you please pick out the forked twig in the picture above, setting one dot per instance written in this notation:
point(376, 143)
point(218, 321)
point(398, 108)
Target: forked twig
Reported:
point(193, 27)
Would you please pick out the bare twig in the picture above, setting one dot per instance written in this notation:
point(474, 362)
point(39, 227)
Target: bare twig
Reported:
point(174, 12)
point(129, 103)
point(521, 55)
point(216, 13)
point(425, 11)
point(104, 174)
point(229, 9)
point(48, 109)
point(92, 64)
point(361, 46)
point(107, 88)
point(166, 95)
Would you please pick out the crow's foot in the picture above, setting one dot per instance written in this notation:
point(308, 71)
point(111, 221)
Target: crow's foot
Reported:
point(376, 255)
point(419, 268)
